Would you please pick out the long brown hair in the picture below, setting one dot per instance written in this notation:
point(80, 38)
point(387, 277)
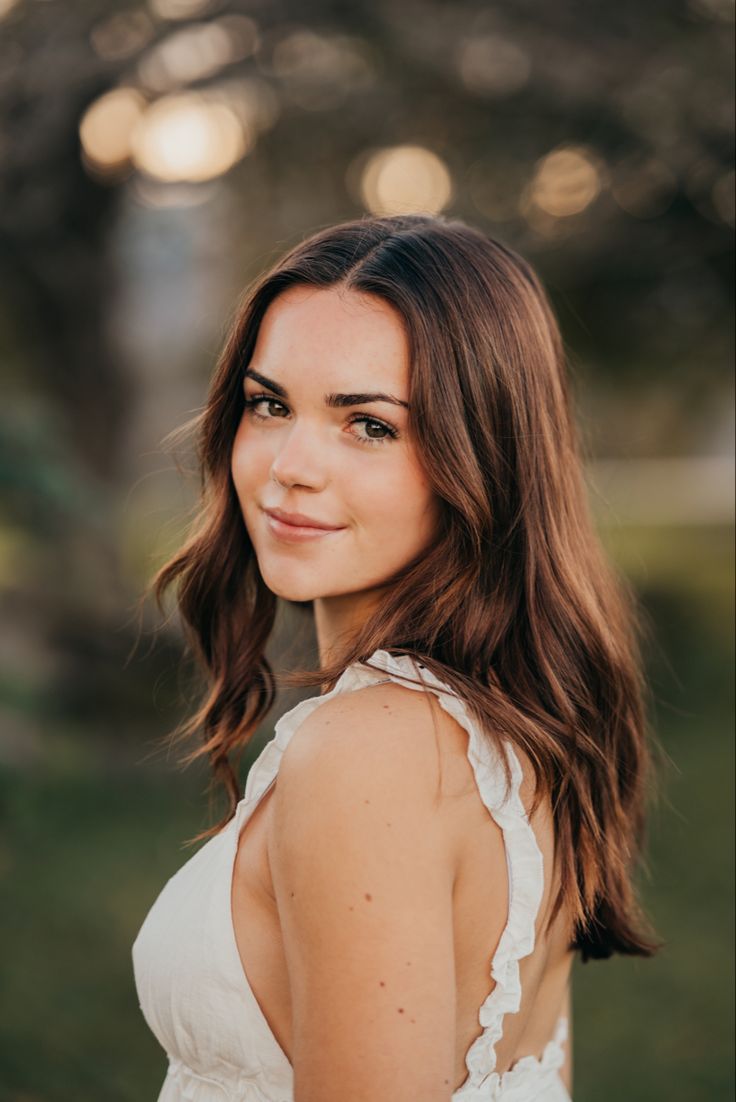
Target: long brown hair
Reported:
point(514, 606)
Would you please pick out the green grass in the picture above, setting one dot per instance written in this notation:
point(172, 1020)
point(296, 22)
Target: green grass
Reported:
point(663, 1028)
point(82, 860)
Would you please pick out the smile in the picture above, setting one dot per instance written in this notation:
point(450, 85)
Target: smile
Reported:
point(297, 533)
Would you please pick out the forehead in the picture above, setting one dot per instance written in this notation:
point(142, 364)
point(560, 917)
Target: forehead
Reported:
point(333, 336)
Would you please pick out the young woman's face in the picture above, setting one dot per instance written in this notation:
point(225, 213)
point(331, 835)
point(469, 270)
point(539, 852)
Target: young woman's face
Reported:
point(311, 441)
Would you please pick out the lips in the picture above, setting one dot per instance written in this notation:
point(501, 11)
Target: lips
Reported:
point(282, 527)
point(301, 520)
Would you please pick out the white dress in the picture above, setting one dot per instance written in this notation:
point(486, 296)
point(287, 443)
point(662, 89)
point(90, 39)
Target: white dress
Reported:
point(191, 985)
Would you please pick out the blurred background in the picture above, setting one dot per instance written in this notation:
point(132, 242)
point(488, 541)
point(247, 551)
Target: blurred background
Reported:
point(154, 158)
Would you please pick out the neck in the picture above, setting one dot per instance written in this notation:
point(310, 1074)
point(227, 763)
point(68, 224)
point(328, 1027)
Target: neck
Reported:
point(338, 619)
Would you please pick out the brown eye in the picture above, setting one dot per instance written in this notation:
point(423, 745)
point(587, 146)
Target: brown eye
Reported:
point(371, 427)
point(257, 399)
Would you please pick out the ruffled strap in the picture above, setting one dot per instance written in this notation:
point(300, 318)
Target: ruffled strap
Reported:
point(524, 861)
point(524, 858)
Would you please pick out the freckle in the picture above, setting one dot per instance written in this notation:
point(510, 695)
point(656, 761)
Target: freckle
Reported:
point(413, 1022)
point(366, 801)
point(292, 895)
point(408, 963)
point(351, 908)
point(382, 983)
point(447, 1081)
point(388, 824)
point(368, 896)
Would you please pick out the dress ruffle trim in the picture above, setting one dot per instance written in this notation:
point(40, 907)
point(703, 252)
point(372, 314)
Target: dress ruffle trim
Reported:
point(524, 858)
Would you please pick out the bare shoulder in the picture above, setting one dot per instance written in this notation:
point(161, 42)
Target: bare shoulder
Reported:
point(363, 872)
point(397, 741)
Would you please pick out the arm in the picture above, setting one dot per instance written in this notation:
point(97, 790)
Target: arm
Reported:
point(363, 873)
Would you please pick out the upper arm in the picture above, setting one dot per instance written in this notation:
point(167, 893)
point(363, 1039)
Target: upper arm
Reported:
point(363, 876)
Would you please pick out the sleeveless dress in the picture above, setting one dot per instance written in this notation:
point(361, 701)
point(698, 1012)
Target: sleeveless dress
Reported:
point(194, 993)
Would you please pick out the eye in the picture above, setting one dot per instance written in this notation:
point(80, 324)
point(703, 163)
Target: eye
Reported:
point(371, 424)
point(254, 401)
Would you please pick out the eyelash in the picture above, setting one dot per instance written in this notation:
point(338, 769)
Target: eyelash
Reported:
point(255, 399)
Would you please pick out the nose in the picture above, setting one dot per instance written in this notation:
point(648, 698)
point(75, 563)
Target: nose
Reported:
point(299, 459)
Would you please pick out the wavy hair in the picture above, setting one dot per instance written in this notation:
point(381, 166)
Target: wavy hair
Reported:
point(514, 605)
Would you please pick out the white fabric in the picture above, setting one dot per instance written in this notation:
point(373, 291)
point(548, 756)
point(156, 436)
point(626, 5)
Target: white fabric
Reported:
point(193, 991)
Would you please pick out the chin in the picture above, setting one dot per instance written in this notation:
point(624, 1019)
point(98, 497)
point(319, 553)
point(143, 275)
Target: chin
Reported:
point(300, 590)
point(296, 594)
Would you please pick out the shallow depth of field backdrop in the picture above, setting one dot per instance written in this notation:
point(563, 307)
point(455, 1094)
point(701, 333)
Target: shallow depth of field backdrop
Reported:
point(153, 159)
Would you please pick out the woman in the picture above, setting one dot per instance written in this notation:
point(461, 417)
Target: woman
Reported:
point(458, 809)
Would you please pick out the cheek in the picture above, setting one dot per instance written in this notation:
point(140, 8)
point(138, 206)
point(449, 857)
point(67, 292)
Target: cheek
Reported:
point(246, 461)
point(402, 506)
point(421, 506)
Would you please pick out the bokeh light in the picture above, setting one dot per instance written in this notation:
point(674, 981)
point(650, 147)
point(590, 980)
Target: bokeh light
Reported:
point(565, 182)
point(405, 178)
point(197, 51)
point(106, 129)
point(186, 138)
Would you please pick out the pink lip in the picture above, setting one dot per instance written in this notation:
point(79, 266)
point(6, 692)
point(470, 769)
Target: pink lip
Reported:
point(296, 527)
point(300, 520)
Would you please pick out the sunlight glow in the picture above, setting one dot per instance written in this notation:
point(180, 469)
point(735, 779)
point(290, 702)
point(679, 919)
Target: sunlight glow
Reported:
point(405, 178)
point(185, 138)
point(566, 181)
point(107, 126)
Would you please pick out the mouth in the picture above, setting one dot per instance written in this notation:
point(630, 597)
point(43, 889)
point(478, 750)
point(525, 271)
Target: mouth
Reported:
point(296, 533)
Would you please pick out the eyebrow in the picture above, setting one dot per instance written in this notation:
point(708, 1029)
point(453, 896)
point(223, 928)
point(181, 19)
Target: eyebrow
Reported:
point(336, 401)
